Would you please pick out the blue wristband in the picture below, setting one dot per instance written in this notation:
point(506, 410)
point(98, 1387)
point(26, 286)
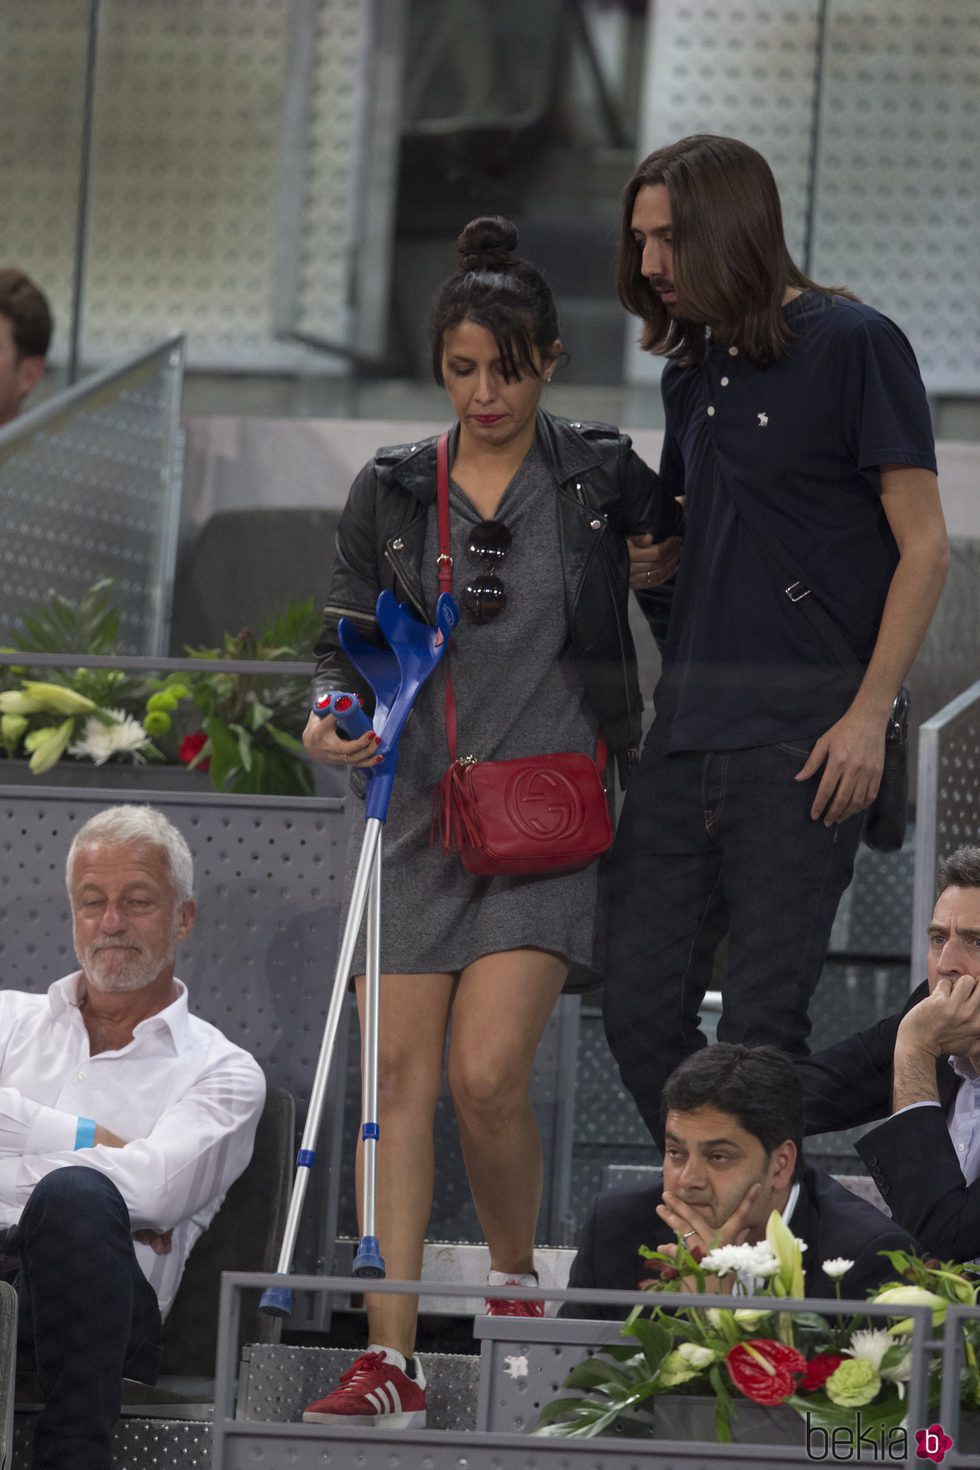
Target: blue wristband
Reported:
point(85, 1133)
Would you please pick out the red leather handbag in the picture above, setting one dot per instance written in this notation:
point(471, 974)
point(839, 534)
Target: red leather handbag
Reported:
point(535, 814)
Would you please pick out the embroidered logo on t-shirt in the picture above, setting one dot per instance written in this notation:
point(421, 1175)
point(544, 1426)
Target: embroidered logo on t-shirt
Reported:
point(763, 420)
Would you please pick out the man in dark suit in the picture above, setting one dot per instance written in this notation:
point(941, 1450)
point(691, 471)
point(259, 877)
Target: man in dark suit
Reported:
point(733, 1120)
point(922, 1067)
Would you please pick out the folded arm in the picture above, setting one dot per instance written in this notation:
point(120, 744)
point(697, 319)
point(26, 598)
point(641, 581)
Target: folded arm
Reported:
point(192, 1154)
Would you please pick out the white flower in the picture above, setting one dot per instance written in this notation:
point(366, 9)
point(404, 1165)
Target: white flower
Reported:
point(100, 742)
point(837, 1268)
point(870, 1344)
point(697, 1355)
point(752, 1260)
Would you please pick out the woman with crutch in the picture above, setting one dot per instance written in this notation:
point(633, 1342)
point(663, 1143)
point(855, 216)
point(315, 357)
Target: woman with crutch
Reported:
point(542, 661)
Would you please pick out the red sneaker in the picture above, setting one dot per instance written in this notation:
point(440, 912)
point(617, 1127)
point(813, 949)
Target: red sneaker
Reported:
point(499, 1306)
point(375, 1393)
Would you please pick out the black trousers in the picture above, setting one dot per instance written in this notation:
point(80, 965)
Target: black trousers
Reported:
point(709, 843)
point(87, 1315)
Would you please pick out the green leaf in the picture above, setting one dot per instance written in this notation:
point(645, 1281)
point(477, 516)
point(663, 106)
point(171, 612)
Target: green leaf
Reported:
point(224, 752)
point(287, 741)
point(259, 714)
point(654, 1338)
point(595, 1373)
point(244, 745)
point(885, 1413)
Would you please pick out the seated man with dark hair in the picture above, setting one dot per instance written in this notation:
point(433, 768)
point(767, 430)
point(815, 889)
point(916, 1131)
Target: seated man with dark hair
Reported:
point(733, 1118)
point(25, 335)
point(124, 1119)
point(922, 1066)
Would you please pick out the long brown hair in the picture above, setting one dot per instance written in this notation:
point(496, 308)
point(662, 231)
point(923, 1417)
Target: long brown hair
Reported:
point(731, 266)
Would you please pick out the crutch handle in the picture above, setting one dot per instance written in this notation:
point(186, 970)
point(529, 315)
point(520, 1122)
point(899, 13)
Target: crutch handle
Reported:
point(346, 710)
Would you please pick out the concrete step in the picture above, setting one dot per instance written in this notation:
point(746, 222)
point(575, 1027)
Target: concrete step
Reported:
point(459, 1262)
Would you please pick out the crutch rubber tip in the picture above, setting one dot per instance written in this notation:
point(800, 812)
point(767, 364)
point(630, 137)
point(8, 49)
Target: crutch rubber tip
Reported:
point(368, 1261)
point(277, 1301)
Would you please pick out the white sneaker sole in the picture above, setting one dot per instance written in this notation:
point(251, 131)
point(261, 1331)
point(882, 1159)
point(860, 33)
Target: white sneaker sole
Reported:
point(415, 1420)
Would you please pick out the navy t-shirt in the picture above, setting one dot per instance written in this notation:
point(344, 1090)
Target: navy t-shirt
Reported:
point(801, 438)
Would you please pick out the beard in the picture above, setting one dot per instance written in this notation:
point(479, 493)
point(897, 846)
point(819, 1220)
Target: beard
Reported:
point(118, 967)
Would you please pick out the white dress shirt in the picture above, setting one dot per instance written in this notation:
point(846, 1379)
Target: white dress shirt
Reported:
point(186, 1099)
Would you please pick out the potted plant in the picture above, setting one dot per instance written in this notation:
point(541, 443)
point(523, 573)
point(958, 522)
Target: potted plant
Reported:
point(726, 1372)
point(240, 729)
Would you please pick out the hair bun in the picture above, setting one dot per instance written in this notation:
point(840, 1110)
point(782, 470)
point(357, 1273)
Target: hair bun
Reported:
point(487, 244)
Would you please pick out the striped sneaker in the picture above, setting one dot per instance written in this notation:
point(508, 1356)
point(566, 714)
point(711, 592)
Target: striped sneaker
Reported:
point(375, 1393)
point(506, 1306)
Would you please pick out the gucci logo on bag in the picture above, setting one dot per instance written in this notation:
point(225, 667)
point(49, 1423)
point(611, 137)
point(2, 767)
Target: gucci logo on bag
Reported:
point(544, 804)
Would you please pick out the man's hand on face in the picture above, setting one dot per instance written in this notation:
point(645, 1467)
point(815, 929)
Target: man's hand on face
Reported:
point(696, 1229)
point(947, 1022)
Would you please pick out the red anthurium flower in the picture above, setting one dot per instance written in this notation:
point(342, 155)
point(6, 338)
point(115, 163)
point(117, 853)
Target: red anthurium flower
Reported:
point(189, 747)
point(765, 1371)
point(818, 1370)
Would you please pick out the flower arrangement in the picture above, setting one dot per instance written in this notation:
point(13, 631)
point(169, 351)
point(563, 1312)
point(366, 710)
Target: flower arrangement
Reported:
point(243, 730)
point(825, 1369)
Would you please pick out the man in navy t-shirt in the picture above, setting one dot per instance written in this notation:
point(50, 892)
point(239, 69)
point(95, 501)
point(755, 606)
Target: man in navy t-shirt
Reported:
point(798, 431)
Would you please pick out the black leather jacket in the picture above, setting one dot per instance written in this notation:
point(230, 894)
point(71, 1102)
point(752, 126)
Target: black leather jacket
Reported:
point(604, 490)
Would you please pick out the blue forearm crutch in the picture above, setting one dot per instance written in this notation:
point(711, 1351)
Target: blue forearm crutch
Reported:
point(396, 674)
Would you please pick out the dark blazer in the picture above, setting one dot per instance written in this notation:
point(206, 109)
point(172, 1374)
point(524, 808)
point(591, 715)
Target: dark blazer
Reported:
point(910, 1157)
point(832, 1221)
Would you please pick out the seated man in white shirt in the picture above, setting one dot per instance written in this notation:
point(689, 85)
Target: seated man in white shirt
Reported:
point(109, 1071)
point(921, 1067)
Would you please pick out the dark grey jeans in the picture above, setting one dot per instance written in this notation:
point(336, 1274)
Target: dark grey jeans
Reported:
point(87, 1316)
point(711, 842)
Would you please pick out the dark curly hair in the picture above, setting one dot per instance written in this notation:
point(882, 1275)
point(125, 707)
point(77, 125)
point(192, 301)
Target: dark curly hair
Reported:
point(758, 1085)
point(499, 291)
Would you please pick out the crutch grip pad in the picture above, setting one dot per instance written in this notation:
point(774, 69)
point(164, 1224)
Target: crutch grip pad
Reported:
point(346, 710)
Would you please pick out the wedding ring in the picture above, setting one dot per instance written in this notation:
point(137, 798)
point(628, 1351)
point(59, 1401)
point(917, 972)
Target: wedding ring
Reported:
point(687, 1233)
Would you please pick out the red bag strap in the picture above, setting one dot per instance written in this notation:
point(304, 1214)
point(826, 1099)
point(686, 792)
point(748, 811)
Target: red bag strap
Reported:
point(445, 563)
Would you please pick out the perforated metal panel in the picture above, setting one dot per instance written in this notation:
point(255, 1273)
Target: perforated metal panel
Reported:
point(895, 203)
point(187, 207)
point(259, 964)
point(897, 213)
point(90, 488)
point(740, 67)
point(277, 1383)
point(164, 1445)
point(948, 796)
point(875, 914)
point(518, 1377)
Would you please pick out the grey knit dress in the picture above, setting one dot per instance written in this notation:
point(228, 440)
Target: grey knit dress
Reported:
point(517, 693)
